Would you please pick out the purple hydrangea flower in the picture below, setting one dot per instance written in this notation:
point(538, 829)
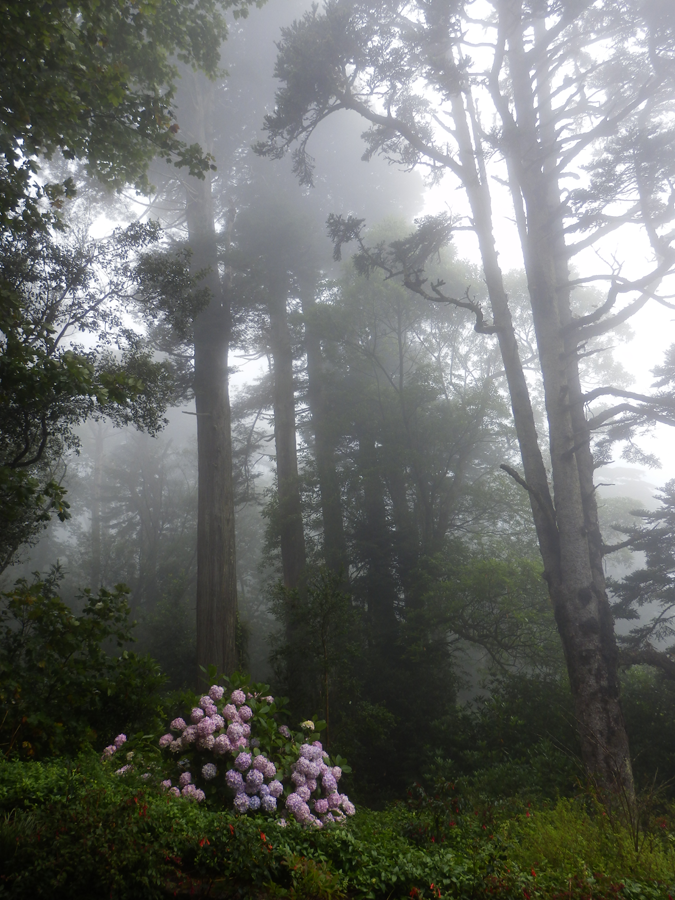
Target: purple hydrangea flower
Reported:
point(264, 790)
point(254, 802)
point(209, 771)
point(276, 788)
point(303, 765)
point(210, 710)
point(230, 711)
point(207, 742)
point(348, 807)
point(174, 792)
point(270, 770)
point(303, 792)
point(246, 730)
point(119, 740)
point(329, 783)
point(245, 713)
point(253, 780)
point(165, 740)
point(216, 692)
point(234, 780)
point(333, 801)
point(235, 731)
point(268, 699)
point(260, 763)
point(219, 721)
point(238, 697)
point(221, 745)
point(268, 803)
point(321, 807)
point(185, 779)
point(337, 772)
point(205, 701)
point(241, 803)
point(311, 785)
point(165, 785)
point(196, 715)
point(285, 731)
point(178, 724)
point(176, 746)
point(298, 778)
point(109, 751)
point(243, 761)
point(293, 802)
point(124, 770)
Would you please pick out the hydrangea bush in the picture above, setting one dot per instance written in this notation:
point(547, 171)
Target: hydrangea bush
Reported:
point(233, 748)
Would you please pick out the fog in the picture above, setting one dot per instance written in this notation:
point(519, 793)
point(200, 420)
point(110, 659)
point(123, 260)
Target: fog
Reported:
point(337, 498)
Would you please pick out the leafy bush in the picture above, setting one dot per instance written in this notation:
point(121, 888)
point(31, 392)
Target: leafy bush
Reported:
point(80, 830)
point(60, 691)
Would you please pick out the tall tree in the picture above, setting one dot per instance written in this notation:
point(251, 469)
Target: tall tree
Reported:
point(570, 88)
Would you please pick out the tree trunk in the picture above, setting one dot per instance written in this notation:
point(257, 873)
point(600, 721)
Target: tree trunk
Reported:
point(216, 558)
point(293, 560)
point(577, 586)
point(567, 523)
point(334, 542)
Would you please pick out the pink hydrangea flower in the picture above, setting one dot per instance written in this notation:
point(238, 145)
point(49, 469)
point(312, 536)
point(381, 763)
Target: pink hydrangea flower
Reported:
point(205, 701)
point(197, 715)
point(109, 751)
point(206, 726)
point(119, 740)
point(165, 785)
point(206, 742)
point(238, 697)
point(230, 711)
point(178, 724)
point(218, 721)
point(216, 692)
point(165, 740)
point(174, 792)
point(221, 745)
point(245, 713)
point(190, 734)
point(185, 778)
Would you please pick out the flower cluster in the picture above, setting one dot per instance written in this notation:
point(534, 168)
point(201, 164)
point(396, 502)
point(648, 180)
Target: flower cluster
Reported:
point(222, 727)
point(312, 775)
point(112, 749)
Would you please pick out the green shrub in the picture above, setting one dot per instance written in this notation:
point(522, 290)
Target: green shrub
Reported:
point(60, 691)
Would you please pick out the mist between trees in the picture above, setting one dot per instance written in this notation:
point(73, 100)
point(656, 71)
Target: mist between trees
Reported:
point(394, 514)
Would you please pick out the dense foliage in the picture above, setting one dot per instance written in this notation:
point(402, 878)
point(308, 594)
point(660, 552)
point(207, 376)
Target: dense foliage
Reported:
point(60, 691)
point(78, 829)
